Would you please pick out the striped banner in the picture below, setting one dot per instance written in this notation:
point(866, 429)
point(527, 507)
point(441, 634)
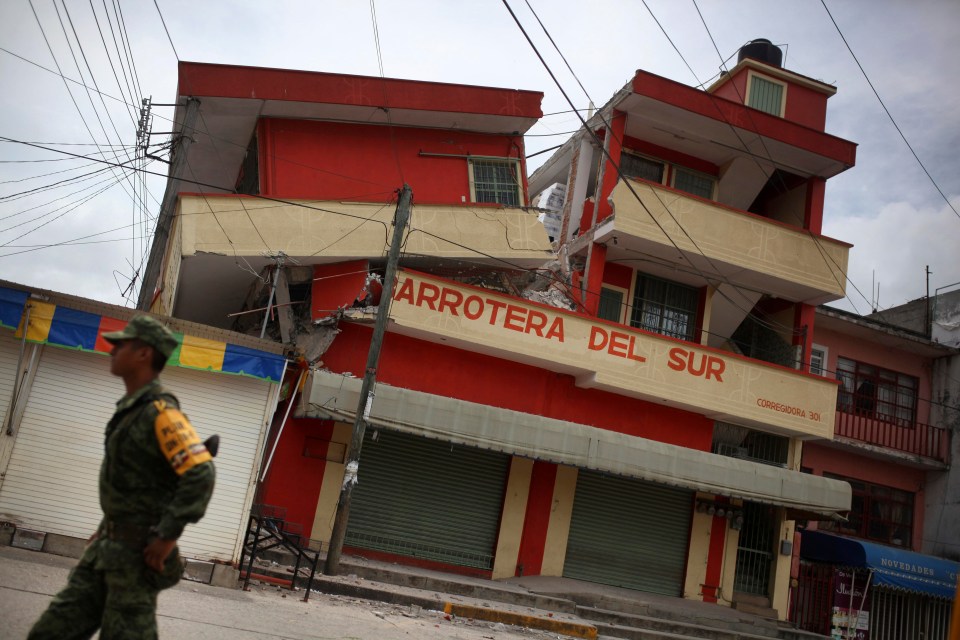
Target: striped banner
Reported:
point(72, 329)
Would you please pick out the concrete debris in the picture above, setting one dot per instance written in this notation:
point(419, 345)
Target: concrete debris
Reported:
point(552, 297)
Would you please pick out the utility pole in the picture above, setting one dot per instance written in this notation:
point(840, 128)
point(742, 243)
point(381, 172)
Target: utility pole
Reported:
point(151, 272)
point(366, 390)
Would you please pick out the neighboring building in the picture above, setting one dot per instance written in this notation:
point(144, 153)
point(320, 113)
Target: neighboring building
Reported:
point(57, 395)
point(896, 421)
point(623, 406)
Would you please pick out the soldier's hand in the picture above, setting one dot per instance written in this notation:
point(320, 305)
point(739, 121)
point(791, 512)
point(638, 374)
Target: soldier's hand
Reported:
point(156, 552)
point(93, 538)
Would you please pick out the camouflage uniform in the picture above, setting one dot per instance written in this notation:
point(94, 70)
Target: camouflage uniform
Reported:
point(155, 478)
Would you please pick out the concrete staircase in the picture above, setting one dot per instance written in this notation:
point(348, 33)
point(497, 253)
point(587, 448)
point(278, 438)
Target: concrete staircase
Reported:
point(616, 613)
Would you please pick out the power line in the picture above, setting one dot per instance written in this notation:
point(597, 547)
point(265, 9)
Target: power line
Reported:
point(887, 111)
point(783, 188)
point(164, 22)
point(627, 183)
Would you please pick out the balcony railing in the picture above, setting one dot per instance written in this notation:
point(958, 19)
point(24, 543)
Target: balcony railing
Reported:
point(919, 439)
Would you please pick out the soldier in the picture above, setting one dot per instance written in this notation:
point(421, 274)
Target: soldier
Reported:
point(156, 477)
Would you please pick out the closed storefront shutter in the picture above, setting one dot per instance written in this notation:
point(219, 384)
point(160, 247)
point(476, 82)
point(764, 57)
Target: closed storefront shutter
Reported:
point(628, 533)
point(51, 482)
point(9, 352)
point(428, 499)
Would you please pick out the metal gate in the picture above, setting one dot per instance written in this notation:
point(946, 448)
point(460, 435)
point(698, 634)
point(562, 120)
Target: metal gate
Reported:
point(428, 499)
point(755, 549)
point(629, 533)
point(896, 615)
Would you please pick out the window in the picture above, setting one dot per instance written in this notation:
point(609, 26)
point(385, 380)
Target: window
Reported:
point(495, 181)
point(877, 513)
point(876, 393)
point(766, 95)
point(698, 184)
point(611, 304)
point(818, 360)
point(665, 307)
point(687, 180)
point(637, 167)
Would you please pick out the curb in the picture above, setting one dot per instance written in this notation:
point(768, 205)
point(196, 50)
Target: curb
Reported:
point(575, 629)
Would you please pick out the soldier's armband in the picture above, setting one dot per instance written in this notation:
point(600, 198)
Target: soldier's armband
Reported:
point(177, 439)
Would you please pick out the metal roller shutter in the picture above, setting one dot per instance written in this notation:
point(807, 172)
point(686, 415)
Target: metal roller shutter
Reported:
point(9, 352)
point(428, 499)
point(628, 533)
point(51, 482)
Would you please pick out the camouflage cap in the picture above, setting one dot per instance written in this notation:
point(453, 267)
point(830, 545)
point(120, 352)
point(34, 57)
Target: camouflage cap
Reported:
point(148, 330)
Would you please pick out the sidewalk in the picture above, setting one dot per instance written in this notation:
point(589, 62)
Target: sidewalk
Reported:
point(28, 580)
point(372, 599)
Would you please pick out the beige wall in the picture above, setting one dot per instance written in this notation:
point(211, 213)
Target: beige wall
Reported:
point(698, 554)
point(616, 358)
point(512, 518)
point(306, 229)
point(330, 489)
point(732, 237)
point(780, 587)
point(558, 529)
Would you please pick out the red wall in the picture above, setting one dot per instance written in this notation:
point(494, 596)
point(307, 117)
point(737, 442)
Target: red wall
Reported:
point(434, 368)
point(804, 106)
point(820, 459)
point(537, 519)
point(294, 479)
point(867, 352)
point(336, 161)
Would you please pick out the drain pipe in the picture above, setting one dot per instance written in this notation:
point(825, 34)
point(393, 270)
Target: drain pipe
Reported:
point(286, 415)
point(16, 384)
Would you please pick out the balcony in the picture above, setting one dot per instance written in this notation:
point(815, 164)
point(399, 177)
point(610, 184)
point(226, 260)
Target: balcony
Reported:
point(724, 243)
point(219, 243)
point(611, 357)
point(916, 439)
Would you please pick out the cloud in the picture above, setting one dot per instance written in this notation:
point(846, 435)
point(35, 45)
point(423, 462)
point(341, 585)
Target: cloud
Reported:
point(893, 248)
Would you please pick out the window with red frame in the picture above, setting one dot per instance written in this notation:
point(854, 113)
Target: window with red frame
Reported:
point(877, 513)
point(876, 393)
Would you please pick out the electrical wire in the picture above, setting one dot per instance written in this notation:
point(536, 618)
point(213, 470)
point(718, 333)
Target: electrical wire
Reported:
point(167, 31)
point(627, 183)
point(768, 156)
point(887, 111)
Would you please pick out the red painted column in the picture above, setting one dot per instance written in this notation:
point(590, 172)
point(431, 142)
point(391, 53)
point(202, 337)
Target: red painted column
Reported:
point(614, 144)
point(718, 543)
point(591, 298)
point(804, 319)
point(265, 157)
point(813, 211)
point(533, 540)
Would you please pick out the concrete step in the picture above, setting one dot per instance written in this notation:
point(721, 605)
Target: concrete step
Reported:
point(480, 589)
point(764, 611)
point(714, 630)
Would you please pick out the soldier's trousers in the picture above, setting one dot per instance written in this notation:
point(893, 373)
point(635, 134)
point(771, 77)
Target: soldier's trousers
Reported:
point(114, 599)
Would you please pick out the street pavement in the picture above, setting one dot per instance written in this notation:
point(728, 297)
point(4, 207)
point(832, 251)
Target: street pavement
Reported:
point(29, 579)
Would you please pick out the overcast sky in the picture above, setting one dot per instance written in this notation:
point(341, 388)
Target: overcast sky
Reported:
point(886, 206)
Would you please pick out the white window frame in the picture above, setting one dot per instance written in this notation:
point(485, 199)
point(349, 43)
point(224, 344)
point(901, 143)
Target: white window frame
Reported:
point(473, 186)
point(823, 359)
point(749, 91)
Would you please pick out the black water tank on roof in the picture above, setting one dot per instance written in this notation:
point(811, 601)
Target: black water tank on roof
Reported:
point(763, 50)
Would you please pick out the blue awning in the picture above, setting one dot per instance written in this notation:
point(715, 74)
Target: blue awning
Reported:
point(894, 568)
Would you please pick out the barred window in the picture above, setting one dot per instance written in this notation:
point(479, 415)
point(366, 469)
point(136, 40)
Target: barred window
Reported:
point(495, 181)
point(665, 307)
point(638, 167)
point(693, 182)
